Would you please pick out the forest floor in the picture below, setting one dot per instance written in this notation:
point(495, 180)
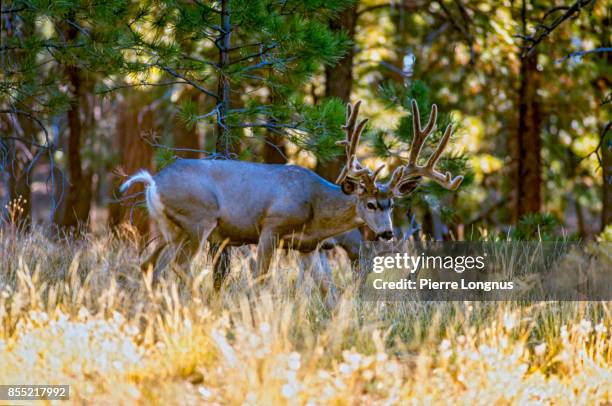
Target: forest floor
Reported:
point(80, 312)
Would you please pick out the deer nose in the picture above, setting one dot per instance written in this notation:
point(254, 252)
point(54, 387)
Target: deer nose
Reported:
point(385, 235)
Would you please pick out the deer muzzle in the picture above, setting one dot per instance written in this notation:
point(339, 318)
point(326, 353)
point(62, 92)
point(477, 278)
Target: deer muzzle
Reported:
point(385, 235)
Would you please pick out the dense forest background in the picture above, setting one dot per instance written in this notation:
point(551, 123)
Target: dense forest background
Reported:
point(91, 91)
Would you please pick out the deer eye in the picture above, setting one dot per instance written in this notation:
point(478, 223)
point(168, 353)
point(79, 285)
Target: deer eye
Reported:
point(371, 206)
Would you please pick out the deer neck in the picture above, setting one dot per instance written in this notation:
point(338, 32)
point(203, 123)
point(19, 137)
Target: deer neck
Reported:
point(335, 212)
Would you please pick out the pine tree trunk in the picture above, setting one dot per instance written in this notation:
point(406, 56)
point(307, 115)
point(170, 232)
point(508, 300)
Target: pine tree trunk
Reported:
point(224, 142)
point(528, 176)
point(339, 81)
point(528, 145)
point(606, 164)
point(135, 117)
point(74, 209)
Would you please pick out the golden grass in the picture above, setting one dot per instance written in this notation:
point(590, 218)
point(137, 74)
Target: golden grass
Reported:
point(79, 312)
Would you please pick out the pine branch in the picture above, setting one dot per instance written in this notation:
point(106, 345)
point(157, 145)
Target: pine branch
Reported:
point(44, 44)
point(255, 55)
point(461, 28)
point(202, 61)
point(582, 53)
point(236, 48)
point(207, 7)
point(12, 10)
point(140, 84)
point(268, 126)
point(267, 63)
point(31, 117)
point(607, 127)
point(153, 143)
point(186, 79)
point(406, 5)
point(79, 28)
point(543, 30)
point(23, 141)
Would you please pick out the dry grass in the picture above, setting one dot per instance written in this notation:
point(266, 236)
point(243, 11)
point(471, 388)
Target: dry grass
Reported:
point(80, 313)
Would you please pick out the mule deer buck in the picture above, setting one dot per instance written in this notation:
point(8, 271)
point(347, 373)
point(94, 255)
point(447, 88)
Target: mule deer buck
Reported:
point(229, 202)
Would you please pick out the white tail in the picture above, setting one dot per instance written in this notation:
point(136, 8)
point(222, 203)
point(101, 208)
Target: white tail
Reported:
point(141, 176)
point(154, 204)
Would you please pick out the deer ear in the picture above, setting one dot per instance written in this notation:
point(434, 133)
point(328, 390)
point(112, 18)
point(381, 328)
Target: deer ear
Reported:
point(349, 186)
point(407, 186)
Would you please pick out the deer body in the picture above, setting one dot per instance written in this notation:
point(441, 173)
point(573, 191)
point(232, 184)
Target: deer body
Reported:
point(238, 201)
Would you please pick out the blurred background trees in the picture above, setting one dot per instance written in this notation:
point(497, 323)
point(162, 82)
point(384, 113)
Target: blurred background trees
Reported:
point(91, 90)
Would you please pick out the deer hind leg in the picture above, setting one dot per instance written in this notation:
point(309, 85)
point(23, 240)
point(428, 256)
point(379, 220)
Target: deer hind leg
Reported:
point(152, 260)
point(265, 249)
point(162, 257)
point(180, 246)
point(190, 244)
point(317, 263)
point(221, 254)
point(185, 251)
point(304, 265)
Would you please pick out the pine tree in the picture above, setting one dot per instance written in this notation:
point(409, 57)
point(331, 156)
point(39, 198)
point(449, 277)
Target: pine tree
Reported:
point(339, 78)
point(252, 59)
point(53, 53)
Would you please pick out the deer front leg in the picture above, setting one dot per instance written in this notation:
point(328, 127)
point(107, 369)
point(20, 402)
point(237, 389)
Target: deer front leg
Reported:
point(151, 261)
point(317, 263)
point(265, 249)
point(222, 265)
point(185, 252)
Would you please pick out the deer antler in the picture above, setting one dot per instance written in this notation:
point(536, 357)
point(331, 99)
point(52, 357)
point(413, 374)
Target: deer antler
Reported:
point(353, 168)
point(396, 177)
point(412, 169)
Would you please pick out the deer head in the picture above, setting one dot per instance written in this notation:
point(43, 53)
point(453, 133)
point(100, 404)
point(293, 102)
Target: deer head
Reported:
point(375, 199)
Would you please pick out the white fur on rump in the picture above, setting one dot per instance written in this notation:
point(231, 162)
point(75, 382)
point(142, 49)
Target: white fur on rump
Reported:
point(154, 204)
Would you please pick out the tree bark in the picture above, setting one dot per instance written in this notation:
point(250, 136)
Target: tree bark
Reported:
point(606, 164)
point(135, 117)
point(528, 176)
point(528, 145)
point(187, 137)
point(224, 142)
point(74, 209)
point(339, 80)
point(274, 149)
